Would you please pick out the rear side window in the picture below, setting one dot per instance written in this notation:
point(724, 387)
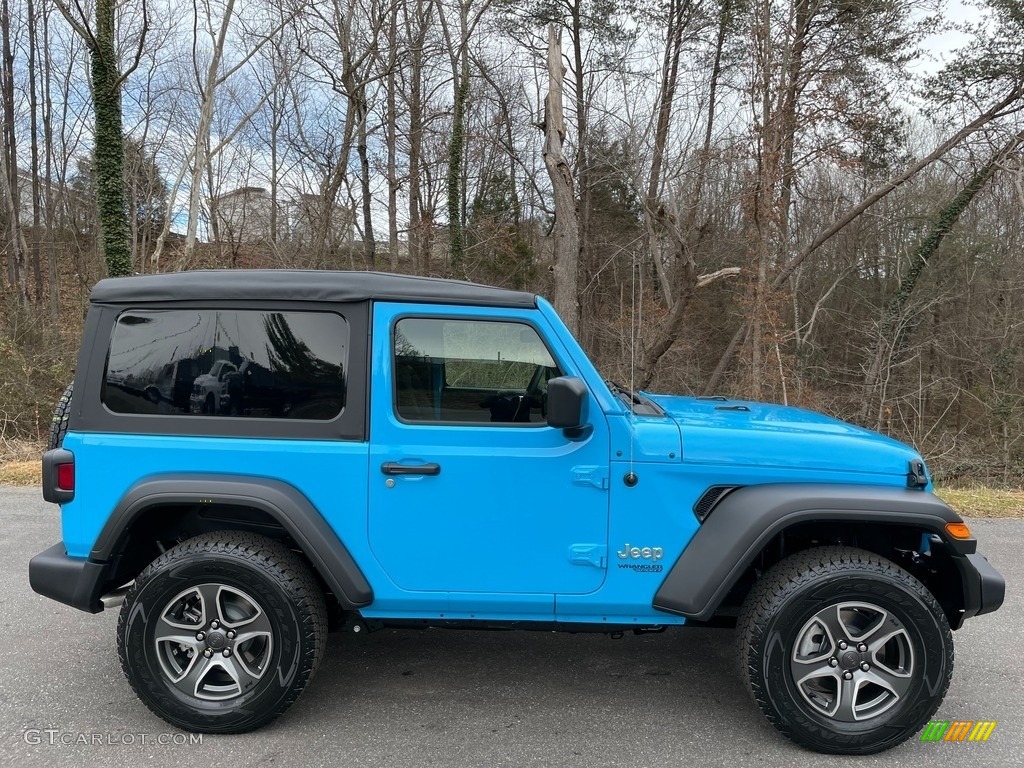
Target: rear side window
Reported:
point(235, 363)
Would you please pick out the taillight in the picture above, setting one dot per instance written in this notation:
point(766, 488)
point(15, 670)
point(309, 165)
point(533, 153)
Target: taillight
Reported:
point(58, 476)
point(66, 477)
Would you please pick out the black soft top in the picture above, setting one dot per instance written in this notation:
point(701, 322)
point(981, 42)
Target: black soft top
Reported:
point(300, 285)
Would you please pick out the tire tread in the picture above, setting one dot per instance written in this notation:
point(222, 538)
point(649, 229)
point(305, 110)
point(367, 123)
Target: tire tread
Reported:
point(278, 563)
point(775, 587)
point(59, 421)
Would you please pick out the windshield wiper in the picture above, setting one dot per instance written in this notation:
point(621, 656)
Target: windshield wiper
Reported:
point(626, 394)
point(638, 403)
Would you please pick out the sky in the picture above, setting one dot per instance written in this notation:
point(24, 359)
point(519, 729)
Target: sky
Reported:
point(938, 47)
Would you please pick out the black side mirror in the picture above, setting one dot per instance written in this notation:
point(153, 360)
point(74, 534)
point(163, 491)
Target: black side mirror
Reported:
point(566, 397)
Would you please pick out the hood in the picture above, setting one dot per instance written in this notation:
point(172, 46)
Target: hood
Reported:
point(761, 434)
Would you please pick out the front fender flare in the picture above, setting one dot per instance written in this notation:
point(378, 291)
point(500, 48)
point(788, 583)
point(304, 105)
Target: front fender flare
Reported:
point(748, 518)
point(284, 503)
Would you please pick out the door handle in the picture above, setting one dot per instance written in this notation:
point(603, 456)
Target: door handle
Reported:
point(394, 468)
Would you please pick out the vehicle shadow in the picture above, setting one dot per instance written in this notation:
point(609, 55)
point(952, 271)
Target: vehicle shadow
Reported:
point(540, 695)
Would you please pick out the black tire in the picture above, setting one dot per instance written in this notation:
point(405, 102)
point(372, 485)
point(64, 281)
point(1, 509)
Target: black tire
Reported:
point(786, 650)
point(59, 422)
point(263, 622)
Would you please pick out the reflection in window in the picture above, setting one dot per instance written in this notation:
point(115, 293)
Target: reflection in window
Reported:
point(470, 371)
point(242, 363)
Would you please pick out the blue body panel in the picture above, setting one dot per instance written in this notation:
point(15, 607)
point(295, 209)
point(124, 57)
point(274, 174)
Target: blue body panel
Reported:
point(523, 523)
point(331, 474)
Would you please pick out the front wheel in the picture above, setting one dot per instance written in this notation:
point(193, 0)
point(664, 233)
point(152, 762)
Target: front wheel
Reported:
point(844, 651)
point(221, 633)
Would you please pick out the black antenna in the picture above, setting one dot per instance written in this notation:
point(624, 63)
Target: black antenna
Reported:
point(631, 478)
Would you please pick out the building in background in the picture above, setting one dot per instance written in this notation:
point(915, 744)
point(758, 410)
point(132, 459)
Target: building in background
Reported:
point(245, 216)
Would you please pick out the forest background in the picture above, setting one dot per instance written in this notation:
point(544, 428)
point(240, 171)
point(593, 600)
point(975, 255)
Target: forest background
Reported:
point(813, 202)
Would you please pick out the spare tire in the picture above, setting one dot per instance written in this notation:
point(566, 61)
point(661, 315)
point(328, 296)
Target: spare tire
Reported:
point(59, 422)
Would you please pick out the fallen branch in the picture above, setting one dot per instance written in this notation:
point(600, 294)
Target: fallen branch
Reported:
point(708, 279)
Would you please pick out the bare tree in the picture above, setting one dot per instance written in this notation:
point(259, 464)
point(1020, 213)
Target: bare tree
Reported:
point(567, 232)
point(812, 49)
point(348, 53)
point(888, 337)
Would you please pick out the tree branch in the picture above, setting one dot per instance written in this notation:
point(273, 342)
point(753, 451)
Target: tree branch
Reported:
point(999, 109)
point(138, 51)
point(82, 27)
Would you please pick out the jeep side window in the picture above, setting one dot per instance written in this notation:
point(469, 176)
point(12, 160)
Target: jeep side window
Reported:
point(238, 363)
point(470, 371)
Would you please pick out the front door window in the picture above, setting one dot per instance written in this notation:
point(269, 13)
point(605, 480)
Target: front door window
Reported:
point(471, 372)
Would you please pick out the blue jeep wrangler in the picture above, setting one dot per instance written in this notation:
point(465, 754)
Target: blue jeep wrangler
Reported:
point(248, 455)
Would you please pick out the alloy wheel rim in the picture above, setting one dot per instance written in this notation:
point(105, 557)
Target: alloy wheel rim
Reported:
point(214, 642)
point(852, 661)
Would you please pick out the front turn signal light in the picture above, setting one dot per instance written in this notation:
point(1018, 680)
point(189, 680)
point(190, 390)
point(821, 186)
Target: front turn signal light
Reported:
point(958, 530)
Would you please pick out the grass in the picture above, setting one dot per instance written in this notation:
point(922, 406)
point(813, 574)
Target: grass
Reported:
point(985, 502)
point(20, 462)
point(21, 473)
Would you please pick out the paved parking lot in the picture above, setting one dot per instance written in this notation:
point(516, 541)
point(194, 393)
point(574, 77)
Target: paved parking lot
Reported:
point(449, 698)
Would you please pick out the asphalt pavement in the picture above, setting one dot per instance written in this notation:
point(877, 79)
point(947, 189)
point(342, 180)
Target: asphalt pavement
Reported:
point(463, 698)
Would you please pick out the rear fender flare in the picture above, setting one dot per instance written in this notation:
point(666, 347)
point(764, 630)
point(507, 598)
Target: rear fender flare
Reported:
point(288, 506)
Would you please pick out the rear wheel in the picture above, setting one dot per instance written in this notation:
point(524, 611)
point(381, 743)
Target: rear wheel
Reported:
point(844, 651)
point(222, 633)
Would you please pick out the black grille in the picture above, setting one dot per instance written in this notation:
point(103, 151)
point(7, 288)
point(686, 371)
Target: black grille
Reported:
point(710, 498)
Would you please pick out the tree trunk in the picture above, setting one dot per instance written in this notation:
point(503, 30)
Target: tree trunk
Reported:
point(391, 140)
point(52, 276)
point(415, 143)
point(566, 232)
point(212, 208)
point(369, 242)
point(666, 95)
point(583, 188)
point(277, 110)
point(456, 149)
point(417, 21)
point(33, 100)
point(16, 246)
point(109, 153)
point(16, 238)
point(165, 230)
point(201, 155)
